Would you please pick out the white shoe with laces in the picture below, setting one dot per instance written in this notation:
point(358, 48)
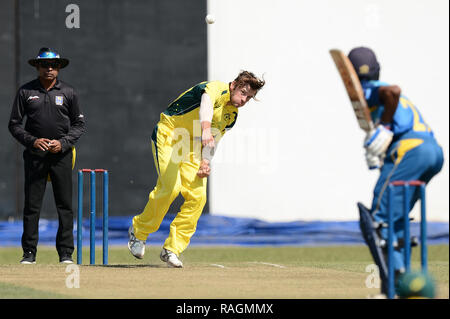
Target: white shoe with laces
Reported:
point(170, 258)
point(136, 246)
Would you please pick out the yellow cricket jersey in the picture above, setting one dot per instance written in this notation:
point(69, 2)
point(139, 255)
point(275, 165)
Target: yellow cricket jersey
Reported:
point(184, 111)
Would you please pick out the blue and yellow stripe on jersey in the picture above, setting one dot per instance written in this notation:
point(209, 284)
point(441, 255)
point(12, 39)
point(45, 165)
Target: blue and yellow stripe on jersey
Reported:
point(184, 110)
point(406, 118)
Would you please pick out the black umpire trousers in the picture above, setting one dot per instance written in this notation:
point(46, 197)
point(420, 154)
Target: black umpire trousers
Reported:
point(38, 166)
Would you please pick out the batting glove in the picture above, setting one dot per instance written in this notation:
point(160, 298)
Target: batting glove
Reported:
point(373, 161)
point(377, 141)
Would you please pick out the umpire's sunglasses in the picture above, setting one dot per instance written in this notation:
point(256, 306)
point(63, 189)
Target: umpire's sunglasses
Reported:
point(49, 64)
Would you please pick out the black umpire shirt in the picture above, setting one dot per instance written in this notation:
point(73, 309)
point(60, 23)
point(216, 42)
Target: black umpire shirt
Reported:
point(53, 114)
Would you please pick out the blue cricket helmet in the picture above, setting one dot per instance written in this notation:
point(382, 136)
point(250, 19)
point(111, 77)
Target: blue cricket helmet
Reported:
point(48, 54)
point(365, 63)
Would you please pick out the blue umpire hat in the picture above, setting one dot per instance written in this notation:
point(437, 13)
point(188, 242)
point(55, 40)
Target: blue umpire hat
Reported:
point(365, 63)
point(48, 54)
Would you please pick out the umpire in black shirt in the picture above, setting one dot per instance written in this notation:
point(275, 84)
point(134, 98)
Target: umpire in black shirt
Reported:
point(54, 123)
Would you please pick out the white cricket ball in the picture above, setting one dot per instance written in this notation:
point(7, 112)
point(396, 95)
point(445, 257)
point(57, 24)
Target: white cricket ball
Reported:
point(210, 19)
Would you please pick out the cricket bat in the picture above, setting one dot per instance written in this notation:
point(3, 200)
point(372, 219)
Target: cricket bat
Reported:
point(353, 88)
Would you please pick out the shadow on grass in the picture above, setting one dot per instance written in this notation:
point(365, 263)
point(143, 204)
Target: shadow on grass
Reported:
point(128, 266)
point(11, 291)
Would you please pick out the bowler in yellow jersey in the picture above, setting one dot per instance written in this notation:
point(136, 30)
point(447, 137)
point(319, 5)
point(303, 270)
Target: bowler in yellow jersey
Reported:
point(183, 143)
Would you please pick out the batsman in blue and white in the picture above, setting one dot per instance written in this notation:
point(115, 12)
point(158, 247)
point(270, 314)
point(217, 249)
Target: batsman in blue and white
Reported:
point(402, 145)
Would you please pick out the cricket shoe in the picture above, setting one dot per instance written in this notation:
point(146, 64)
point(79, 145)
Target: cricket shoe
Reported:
point(170, 258)
point(66, 259)
point(136, 246)
point(28, 258)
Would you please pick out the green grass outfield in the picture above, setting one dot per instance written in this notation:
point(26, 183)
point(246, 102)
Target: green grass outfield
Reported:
point(209, 273)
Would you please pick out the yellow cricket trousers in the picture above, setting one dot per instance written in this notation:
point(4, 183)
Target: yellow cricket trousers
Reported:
point(177, 171)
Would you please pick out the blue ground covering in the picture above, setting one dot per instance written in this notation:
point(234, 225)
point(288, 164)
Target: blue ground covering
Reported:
point(220, 230)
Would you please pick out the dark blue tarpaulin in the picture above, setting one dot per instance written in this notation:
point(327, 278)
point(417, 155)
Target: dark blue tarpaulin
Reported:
point(221, 230)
